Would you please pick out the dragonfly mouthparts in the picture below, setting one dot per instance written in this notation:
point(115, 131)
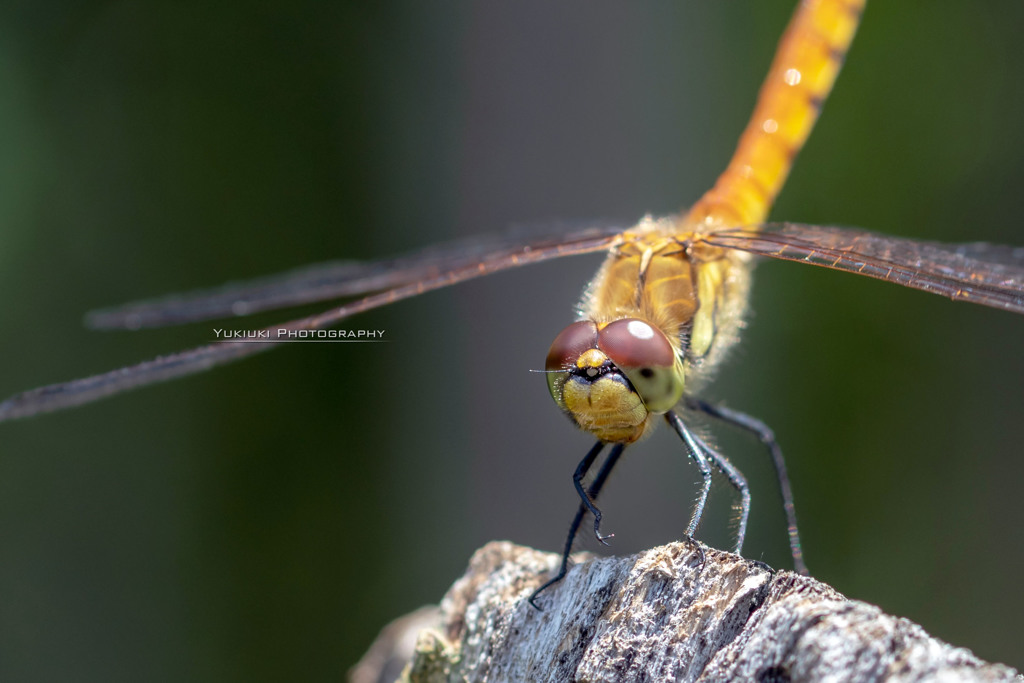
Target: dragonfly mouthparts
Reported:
point(592, 373)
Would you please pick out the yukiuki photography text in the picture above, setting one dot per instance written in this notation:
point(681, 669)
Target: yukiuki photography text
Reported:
point(283, 334)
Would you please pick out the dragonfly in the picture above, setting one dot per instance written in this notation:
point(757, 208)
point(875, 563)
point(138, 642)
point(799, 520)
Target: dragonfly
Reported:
point(662, 313)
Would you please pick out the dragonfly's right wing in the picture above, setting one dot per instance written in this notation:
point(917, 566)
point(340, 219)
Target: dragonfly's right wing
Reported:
point(987, 274)
point(442, 268)
point(324, 281)
point(319, 282)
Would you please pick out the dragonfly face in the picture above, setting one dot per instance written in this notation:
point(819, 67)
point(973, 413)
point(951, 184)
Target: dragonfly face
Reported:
point(611, 378)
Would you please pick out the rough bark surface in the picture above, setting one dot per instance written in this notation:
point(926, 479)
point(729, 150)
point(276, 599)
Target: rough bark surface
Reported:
point(680, 612)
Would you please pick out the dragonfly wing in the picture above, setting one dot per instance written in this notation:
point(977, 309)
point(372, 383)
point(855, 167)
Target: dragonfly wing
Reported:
point(306, 285)
point(988, 274)
point(88, 389)
point(322, 282)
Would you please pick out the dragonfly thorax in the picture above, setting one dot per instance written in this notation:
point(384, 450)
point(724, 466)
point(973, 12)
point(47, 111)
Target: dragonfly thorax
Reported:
point(611, 378)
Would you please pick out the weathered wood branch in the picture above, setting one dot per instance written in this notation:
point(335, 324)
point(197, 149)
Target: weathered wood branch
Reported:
point(672, 613)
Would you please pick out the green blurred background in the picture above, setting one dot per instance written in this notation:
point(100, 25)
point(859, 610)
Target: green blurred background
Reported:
point(263, 521)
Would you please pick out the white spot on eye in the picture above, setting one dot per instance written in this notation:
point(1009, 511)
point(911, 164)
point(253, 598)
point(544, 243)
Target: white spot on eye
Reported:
point(792, 76)
point(770, 126)
point(591, 372)
point(640, 329)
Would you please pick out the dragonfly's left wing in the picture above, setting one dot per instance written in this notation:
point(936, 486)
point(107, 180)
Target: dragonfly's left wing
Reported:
point(444, 269)
point(987, 274)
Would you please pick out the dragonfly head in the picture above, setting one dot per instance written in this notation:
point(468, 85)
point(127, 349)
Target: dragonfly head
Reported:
point(610, 378)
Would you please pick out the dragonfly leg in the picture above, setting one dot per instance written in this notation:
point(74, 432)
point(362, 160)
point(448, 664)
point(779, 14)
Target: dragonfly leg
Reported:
point(766, 437)
point(577, 481)
point(694, 450)
point(738, 481)
point(592, 491)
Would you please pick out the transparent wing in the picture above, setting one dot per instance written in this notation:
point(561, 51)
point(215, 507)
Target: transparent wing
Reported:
point(323, 282)
point(987, 274)
point(447, 269)
point(319, 282)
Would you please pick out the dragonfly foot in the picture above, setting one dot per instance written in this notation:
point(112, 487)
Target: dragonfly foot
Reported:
point(700, 550)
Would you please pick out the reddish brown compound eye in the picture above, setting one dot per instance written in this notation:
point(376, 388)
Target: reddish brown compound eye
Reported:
point(632, 343)
point(643, 353)
point(570, 343)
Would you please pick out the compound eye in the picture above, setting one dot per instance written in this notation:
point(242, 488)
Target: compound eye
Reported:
point(570, 344)
point(646, 357)
point(632, 343)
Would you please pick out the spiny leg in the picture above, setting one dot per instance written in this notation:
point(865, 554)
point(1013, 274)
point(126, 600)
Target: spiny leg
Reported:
point(695, 452)
point(738, 481)
point(592, 491)
point(765, 435)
